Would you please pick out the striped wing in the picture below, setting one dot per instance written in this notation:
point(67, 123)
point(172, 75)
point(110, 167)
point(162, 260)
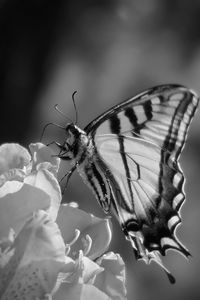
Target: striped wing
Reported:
point(161, 114)
point(146, 189)
point(138, 144)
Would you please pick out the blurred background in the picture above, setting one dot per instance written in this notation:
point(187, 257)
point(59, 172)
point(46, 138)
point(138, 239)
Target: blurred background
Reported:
point(108, 51)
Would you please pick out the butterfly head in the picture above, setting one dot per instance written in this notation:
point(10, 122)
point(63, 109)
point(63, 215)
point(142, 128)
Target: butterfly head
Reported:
point(72, 134)
point(71, 148)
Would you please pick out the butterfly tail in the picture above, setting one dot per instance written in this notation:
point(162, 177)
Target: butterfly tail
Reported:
point(141, 253)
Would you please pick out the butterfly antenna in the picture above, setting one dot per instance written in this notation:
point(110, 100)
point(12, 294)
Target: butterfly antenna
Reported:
point(47, 125)
point(61, 113)
point(73, 99)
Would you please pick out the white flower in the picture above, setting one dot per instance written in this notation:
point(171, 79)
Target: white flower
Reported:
point(48, 250)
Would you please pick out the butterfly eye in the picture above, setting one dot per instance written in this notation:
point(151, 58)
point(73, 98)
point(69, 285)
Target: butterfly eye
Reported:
point(70, 139)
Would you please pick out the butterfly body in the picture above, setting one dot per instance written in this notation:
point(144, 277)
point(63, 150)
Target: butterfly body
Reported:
point(129, 156)
point(80, 150)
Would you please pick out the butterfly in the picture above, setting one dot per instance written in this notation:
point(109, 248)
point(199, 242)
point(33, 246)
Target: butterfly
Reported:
point(128, 156)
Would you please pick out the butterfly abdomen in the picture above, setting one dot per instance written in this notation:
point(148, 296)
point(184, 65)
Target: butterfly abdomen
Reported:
point(94, 177)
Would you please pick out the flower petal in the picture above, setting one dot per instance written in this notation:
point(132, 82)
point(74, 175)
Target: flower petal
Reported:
point(43, 239)
point(86, 270)
point(39, 257)
point(99, 230)
point(13, 156)
point(79, 292)
point(112, 279)
point(17, 202)
point(47, 182)
point(44, 157)
point(100, 233)
point(12, 175)
point(90, 270)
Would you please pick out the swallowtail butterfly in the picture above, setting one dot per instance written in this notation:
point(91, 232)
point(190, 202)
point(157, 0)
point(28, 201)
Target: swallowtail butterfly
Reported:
point(129, 156)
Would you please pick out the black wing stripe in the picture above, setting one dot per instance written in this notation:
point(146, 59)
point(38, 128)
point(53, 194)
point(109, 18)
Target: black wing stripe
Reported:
point(185, 107)
point(169, 142)
point(148, 110)
point(99, 185)
point(115, 124)
point(94, 187)
point(126, 167)
point(130, 114)
point(137, 100)
point(115, 129)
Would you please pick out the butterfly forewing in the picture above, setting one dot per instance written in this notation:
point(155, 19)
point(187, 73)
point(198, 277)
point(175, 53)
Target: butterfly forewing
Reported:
point(161, 115)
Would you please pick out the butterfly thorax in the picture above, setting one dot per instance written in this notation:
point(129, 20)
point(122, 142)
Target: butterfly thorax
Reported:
point(80, 150)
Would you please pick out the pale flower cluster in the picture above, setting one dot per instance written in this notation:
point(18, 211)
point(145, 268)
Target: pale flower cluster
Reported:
point(49, 250)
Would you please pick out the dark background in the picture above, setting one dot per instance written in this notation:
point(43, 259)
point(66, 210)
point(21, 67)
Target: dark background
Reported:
point(108, 51)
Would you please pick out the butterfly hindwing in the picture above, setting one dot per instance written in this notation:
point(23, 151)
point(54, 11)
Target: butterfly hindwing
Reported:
point(149, 191)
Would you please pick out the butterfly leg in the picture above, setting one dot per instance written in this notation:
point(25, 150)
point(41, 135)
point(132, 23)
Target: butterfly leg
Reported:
point(62, 148)
point(67, 175)
point(55, 143)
